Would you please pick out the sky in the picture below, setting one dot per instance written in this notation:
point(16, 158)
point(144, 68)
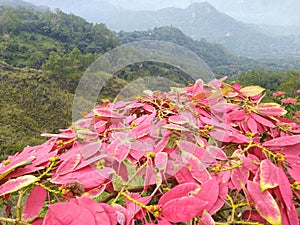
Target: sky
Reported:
point(271, 12)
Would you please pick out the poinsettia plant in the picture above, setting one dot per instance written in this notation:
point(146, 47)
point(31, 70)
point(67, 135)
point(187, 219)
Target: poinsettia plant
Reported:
point(204, 154)
point(292, 105)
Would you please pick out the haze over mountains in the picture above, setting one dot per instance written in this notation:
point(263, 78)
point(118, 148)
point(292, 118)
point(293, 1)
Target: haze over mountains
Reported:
point(200, 20)
point(275, 12)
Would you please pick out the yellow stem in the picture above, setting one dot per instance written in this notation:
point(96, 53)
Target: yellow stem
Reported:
point(13, 221)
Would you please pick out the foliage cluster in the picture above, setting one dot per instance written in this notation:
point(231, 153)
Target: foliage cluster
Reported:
point(204, 154)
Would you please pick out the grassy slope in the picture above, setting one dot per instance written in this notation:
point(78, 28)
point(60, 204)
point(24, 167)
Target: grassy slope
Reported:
point(30, 104)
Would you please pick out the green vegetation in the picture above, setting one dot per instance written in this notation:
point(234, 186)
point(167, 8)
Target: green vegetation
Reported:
point(28, 36)
point(221, 61)
point(32, 101)
point(68, 68)
point(288, 81)
point(30, 104)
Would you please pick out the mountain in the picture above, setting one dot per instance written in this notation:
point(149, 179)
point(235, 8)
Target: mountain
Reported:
point(201, 20)
point(16, 3)
point(198, 20)
point(275, 12)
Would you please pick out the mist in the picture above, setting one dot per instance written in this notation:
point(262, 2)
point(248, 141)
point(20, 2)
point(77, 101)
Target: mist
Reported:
point(268, 12)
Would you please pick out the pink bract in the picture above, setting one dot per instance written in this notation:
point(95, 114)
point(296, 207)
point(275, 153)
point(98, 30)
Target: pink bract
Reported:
point(192, 155)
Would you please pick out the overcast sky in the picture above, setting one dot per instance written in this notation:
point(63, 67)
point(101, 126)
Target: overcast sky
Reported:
point(274, 12)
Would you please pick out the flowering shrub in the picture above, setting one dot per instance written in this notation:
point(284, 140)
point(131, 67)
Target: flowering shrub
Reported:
point(204, 154)
point(292, 105)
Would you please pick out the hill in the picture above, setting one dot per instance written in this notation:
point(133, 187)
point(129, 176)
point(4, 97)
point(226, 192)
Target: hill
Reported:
point(16, 3)
point(28, 36)
point(33, 101)
point(199, 20)
point(215, 55)
point(30, 104)
point(221, 61)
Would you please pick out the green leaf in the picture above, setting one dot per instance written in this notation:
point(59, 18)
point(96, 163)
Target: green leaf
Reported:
point(117, 182)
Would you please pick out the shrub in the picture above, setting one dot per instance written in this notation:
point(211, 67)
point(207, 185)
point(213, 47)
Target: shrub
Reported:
point(204, 154)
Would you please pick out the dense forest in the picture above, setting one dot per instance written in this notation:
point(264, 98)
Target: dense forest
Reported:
point(43, 55)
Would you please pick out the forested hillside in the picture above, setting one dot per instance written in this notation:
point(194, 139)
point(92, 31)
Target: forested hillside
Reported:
point(221, 61)
point(29, 36)
point(39, 50)
point(287, 81)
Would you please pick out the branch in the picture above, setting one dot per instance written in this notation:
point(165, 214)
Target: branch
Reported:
point(13, 221)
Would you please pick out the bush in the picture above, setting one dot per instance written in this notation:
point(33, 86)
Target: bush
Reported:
point(204, 154)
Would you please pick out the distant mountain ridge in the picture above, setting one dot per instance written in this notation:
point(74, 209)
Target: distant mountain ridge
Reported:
point(14, 3)
point(198, 20)
point(202, 20)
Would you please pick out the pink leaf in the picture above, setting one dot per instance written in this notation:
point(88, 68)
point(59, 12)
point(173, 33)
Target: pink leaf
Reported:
point(217, 152)
point(69, 164)
point(295, 172)
point(141, 130)
point(34, 203)
point(174, 127)
point(223, 191)
point(68, 213)
point(5, 170)
point(182, 209)
point(161, 160)
point(87, 150)
point(250, 162)
point(209, 193)
point(103, 213)
point(252, 125)
point(262, 120)
point(161, 144)
point(181, 190)
point(105, 112)
point(271, 109)
point(253, 216)
point(38, 221)
point(17, 184)
point(239, 177)
point(206, 219)
point(177, 120)
point(237, 115)
point(268, 175)
point(184, 176)
point(283, 141)
point(264, 203)
point(285, 189)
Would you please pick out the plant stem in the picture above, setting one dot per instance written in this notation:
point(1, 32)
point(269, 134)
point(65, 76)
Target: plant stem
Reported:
point(13, 221)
